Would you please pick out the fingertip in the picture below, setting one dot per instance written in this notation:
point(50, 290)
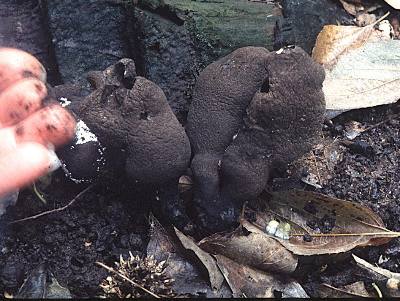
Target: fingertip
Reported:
point(25, 164)
point(16, 64)
point(51, 125)
point(20, 100)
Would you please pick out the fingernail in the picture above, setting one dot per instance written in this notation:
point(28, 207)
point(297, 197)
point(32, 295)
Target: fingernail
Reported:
point(43, 75)
point(55, 163)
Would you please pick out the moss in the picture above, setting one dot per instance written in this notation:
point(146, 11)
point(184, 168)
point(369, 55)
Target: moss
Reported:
point(219, 27)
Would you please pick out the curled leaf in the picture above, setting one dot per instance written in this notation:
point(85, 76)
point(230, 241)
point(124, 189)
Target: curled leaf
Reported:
point(188, 279)
point(366, 77)
point(215, 276)
point(356, 289)
point(393, 3)
point(379, 273)
point(251, 283)
point(319, 224)
point(389, 282)
point(361, 65)
point(254, 249)
point(335, 40)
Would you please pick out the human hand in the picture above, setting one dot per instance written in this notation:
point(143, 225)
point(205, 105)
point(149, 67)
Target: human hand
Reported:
point(29, 132)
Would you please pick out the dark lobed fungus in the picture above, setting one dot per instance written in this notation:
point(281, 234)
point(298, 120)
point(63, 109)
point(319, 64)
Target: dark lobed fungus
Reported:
point(132, 118)
point(136, 131)
point(253, 111)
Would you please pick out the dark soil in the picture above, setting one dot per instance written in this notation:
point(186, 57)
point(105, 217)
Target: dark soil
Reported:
point(104, 224)
point(366, 172)
point(109, 221)
point(99, 226)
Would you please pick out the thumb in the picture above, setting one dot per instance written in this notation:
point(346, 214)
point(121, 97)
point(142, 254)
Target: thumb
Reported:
point(25, 164)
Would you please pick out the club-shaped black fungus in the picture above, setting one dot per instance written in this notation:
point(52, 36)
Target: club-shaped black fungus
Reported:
point(253, 112)
point(132, 119)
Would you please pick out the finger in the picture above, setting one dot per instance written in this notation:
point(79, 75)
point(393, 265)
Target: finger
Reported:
point(7, 138)
point(21, 100)
point(25, 164)
point(16, 65)
point(51, 125)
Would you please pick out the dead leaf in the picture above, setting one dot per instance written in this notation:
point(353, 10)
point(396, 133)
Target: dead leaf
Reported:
point(379, 272)
point(393, 3)
point(361, 9)
point(366, 77)
point(319, 224)
point(365, 19)
point(185, 183)
point(334, 41)
point(254, 249)
point(380, 276)
point(312, 180)
point(41, 283)
point(356, 289)
point(188, 279)
point(361, 65)
point(215, 275)
point(351, 8)
point(251, 283)
point(353, 129)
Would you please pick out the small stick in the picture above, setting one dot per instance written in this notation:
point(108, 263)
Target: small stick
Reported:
point(378, 291)
point(316, 166)
point(390, 233)
point(54, 210)
point(38, 194)
point(110, 269)
point(381, 122)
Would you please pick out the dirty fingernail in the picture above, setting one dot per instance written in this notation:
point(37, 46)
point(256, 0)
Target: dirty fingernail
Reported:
point(43, 74)
point(55, 163)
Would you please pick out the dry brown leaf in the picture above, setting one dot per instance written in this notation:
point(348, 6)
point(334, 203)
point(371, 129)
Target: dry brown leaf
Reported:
point(251, 283)
point(353, 129)
point(388, 281)
point(215, 275)
point(351, 8)
point(358, 7)
point(188, 280)
point(335, 40)
point(356, 289)
point(257, 250)
point(361, 65)
point(185, 183)
point(380, 273)
point(365, 77)
point(319, 224)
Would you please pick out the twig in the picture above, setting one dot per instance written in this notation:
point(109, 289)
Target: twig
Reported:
point(110, 269)
point(316, 166)
point(390, 233)
point(378, 291)
point(38, 194)
point(381, 122)
point(54, 210)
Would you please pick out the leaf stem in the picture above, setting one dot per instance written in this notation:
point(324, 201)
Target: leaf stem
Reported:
point(38, 194)
point(393, 234)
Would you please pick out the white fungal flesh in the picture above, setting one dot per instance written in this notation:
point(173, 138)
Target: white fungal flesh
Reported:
point(393, 283)
point(83, 133)
point(271, 227)
point(69, 175)
point(279, 230)
point(64, 102)
point(283, 231)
